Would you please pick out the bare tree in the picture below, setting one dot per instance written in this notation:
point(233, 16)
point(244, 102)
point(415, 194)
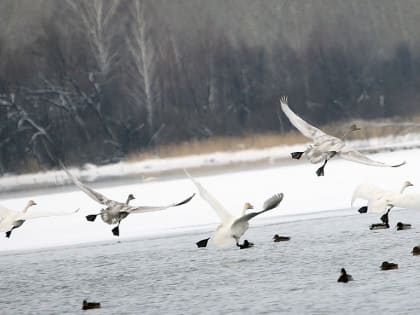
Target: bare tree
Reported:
point(144, 57)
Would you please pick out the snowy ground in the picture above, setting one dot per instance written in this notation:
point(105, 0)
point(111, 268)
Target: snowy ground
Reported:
point(305, 194)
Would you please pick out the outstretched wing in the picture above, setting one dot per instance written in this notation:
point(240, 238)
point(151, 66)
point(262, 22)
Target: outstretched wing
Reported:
point(223, 214)
point(89, 191)
point(42, 214)
point(305, 128)
point(142, 209)
point(356, 156)
point(269, 204)
point(5, 212)
point(378, 199)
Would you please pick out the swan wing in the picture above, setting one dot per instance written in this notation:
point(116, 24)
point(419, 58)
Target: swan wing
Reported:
point(409, 201)
point(98, 197)
point(356, 156)
point(42, 214)
point(5, 212)
point(142, 209)
point(305, 128)
point(223, 214)
point(378, 199)
point(269, 204)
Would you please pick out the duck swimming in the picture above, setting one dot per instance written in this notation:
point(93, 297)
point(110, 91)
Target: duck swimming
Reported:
point(277, 238)
point(90, 305)
point(246, 244)
point(379, 226)
point(403, 226)
point(416, 251)
point(388, 266)
point(344, 276)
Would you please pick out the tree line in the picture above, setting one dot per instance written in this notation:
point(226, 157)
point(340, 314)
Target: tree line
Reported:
point(93, 81)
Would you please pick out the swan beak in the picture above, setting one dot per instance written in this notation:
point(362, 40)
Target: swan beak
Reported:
point(34, 203)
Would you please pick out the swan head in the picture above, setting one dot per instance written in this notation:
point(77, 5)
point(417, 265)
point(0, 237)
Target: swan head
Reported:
point(248, 206)
point(343, 271)
point(407, 184)
point(31, 203)
point(130, 197)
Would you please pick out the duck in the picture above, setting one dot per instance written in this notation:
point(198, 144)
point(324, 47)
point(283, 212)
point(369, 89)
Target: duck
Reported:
point(232, 228)
point(403, 226)
point(388, 266)
point(116, 211)
point(90, 305)
point(10, 219)
point(324, 147)
point(245, 245)
point(379, 226)
point(277, 238)
point(416, 251)
point(344, 276)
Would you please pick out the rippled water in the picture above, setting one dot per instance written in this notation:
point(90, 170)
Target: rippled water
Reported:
point(169, 275)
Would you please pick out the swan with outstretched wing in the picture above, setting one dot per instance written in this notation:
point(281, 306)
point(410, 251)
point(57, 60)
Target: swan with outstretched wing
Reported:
point(10, 219)
point(116, 211)
point(231, 228)
point(324, 147)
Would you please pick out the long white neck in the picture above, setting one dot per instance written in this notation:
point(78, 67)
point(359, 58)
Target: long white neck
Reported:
point(404, 187)
point(26, 208)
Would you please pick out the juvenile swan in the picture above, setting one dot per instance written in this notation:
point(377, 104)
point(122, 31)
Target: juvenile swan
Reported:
point(10, 220)
point(116, 211)
point(324, 147)
point(231, 227)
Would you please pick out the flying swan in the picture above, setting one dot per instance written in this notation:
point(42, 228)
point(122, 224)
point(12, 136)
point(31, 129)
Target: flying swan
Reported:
point(10, 219)
point(232, 228)
point(324, 147)
point(116, 211)
point(380, 199)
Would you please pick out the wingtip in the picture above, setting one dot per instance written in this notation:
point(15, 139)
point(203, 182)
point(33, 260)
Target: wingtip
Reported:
point(401, 164)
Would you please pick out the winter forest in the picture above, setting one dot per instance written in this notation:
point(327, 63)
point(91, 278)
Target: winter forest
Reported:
point(93, 81)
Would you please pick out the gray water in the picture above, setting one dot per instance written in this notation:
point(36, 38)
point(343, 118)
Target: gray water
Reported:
point(169, 275)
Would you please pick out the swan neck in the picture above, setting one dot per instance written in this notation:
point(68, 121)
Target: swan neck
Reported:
point(26, 208)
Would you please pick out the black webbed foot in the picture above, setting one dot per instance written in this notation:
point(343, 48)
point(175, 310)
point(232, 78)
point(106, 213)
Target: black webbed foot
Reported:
point(363, 209)
point(116, 230)
point(91, 217)
point(320, 171)
point(8, 233)
point(296, 155)
point(202, 243)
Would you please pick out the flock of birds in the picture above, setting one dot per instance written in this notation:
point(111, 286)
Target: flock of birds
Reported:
point(323, 148)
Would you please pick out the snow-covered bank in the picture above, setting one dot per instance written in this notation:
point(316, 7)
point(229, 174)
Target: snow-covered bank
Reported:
point(305, 193)
point(148, 169)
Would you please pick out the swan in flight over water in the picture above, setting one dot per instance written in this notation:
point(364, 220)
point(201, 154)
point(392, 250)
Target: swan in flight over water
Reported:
point(116, 211)
point(231, 227)
point(10, 220)
point(381, 199)
point(324, 147)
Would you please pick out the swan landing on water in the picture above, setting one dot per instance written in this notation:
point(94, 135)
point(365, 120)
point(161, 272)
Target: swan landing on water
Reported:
point(232, 228)
point(10, 220)
point(116, 211)
point(324, 147)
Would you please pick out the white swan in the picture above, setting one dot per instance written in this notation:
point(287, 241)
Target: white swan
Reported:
point(324, 146)
point(380, 199)
point(116, 211)
point(10, 220)
point(231, 227)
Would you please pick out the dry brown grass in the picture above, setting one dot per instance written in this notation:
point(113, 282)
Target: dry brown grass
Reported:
point(369, 129)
